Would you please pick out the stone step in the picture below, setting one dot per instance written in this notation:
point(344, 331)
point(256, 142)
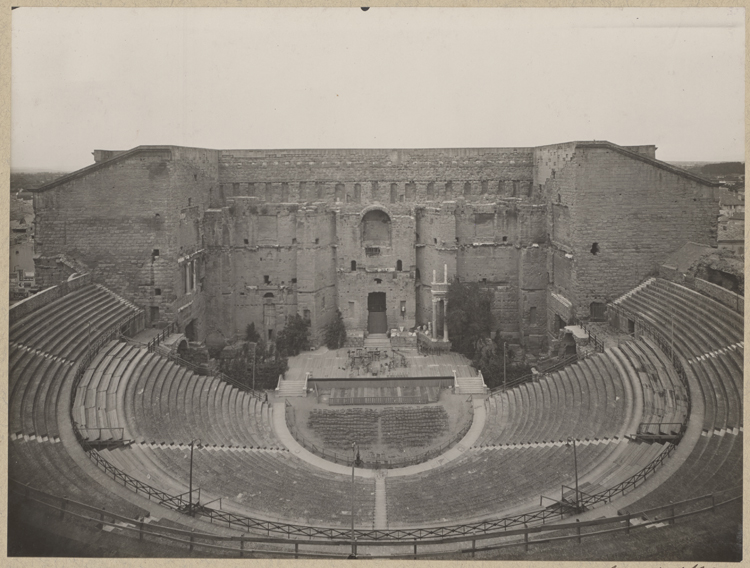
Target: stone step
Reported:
point(470, 385)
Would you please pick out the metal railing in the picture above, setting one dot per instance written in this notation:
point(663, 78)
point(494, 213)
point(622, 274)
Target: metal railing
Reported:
point(199, 370)
point(662, 427)
point(374, 460)
point(233, 520)
point(598, 343)
point(117, 433)
point(535, 376)
point(259, 545)
point(166, 332)
point(377, 400)
point(630, 483)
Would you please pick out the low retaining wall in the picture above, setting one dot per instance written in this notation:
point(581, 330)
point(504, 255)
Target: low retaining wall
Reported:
point(25, 307)
point(713, 291)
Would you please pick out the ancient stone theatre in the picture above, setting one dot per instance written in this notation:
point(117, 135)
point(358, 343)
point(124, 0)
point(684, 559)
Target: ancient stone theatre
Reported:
point(216, 239)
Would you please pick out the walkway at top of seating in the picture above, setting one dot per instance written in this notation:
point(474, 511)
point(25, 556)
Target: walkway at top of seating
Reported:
point(288, 440)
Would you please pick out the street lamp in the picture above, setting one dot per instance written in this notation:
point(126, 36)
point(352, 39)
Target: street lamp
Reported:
point(575, 464)
point(356, 461)
point(190, 494)
point(255, 348)
point(505, 377)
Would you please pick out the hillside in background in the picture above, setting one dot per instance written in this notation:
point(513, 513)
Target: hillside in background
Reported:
point(724, 168)
point(714, 170)
point(20, 180)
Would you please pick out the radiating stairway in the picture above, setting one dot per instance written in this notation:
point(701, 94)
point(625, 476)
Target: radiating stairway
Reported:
point(470, 385)
point(292, 386)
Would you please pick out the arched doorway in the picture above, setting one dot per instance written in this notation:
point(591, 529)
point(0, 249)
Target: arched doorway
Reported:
point(377, 322)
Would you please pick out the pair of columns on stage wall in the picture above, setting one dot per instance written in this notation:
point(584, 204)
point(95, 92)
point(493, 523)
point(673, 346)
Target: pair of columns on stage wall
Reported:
point(435, 309)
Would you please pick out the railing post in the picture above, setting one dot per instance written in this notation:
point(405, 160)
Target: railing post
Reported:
point(627, 524)
point(140, 530)
point(296, 550)
point(415, 550)
point(191, 539)
point(526, 537)
point(473, 547)
point(578, 531)
point(242, 546)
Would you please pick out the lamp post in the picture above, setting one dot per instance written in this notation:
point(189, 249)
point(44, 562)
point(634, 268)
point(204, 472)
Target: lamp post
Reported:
point(505, 378)
point(356, 461)
point(190, 494)
point(575, 465)
point(255, 349)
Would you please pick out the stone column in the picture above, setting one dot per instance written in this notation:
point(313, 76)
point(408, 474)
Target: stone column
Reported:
point(445, 319)
point(194, 275)
point(434, 318)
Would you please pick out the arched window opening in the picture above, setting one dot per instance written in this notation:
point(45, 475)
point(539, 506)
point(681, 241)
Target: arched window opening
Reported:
point(354, 265)
point(376, 228)
point(399, 266)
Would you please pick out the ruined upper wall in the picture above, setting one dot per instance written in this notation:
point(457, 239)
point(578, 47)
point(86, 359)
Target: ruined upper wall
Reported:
point(376, 175)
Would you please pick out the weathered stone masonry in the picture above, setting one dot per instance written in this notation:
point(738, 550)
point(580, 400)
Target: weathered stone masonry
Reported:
point(217, 239)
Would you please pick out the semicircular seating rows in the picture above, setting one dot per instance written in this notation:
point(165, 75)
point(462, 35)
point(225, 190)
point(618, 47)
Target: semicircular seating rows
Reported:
point(520, 453)
point(44, 348)
point(163, 407)
point(708, 339)
point(524, 443)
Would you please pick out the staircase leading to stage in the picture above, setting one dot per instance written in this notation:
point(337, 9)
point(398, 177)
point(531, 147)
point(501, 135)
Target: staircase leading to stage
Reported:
point(292, 386)
point(471, 385)
point(377, 341)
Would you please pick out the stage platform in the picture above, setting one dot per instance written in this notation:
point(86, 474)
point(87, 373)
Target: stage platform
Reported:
point(338, 364)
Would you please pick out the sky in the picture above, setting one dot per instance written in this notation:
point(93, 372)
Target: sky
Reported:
point(115, 78)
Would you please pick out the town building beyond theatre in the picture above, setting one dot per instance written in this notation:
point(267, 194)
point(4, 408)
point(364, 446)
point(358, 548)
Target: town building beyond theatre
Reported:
point(216, 239)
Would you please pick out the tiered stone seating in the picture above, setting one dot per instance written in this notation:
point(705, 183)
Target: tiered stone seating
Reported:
point(482, 484)
point(160, 401)
point(707, 337)
point(665, 397)
point(271, 484)
point(44, 345)
point(584, 400)
point(62, 328)
point(48, 466)
point(95, 404)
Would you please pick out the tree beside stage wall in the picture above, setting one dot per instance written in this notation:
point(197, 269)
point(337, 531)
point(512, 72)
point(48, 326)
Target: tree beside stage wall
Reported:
point(295, 337)
point(470, 325)
point(469, 316)
point(335, 336)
